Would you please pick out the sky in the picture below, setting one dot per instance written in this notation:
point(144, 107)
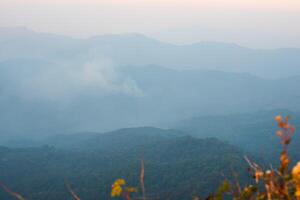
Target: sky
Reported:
point(251, 23)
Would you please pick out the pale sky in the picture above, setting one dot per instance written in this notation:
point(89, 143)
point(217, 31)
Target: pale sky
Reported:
point(252, 23)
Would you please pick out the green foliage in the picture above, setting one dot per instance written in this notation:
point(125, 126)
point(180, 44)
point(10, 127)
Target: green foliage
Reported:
point(176, 167)
point(179, 167)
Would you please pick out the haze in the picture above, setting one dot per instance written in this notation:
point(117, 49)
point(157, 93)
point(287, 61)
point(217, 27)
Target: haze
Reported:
point(255, 24)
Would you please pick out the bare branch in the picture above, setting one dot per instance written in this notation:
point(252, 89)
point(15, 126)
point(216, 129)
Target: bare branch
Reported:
point(74, 195)
point(10, 192)
point(142, 177)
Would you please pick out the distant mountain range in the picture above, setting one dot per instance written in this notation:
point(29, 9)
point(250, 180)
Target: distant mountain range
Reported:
point(139, 50)
point(66, 105)
point(51, 84)
point(36, 101)
point(254, 133)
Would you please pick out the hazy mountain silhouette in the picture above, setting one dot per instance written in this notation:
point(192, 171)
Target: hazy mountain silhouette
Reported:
point(136, 49)
point(52, 84)
point(32, 101)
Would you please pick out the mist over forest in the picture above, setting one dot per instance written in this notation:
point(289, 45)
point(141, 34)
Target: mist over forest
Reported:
point(56, 84)
point(87, 111)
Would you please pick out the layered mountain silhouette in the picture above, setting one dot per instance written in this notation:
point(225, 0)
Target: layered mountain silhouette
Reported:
point(137, 49)
point(52, 84)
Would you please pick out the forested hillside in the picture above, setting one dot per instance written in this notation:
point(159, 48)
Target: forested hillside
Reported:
point(252, 132)
point(176, 166)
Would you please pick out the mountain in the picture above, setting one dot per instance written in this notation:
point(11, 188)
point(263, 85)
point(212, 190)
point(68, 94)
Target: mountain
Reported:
point(61, 97)
point(52, 84)
point(114, 140)
point(254, 133)
point(139, 50)
point(55, 99)
point(177, 166)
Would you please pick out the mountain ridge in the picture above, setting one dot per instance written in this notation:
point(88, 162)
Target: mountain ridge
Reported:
point(91, 172)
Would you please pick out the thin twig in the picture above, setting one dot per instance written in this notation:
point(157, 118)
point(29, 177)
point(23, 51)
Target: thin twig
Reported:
point(142, 177)
point(74, 195)
point(10, 192)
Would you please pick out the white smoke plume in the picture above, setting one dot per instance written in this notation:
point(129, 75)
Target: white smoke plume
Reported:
point(66, 80)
